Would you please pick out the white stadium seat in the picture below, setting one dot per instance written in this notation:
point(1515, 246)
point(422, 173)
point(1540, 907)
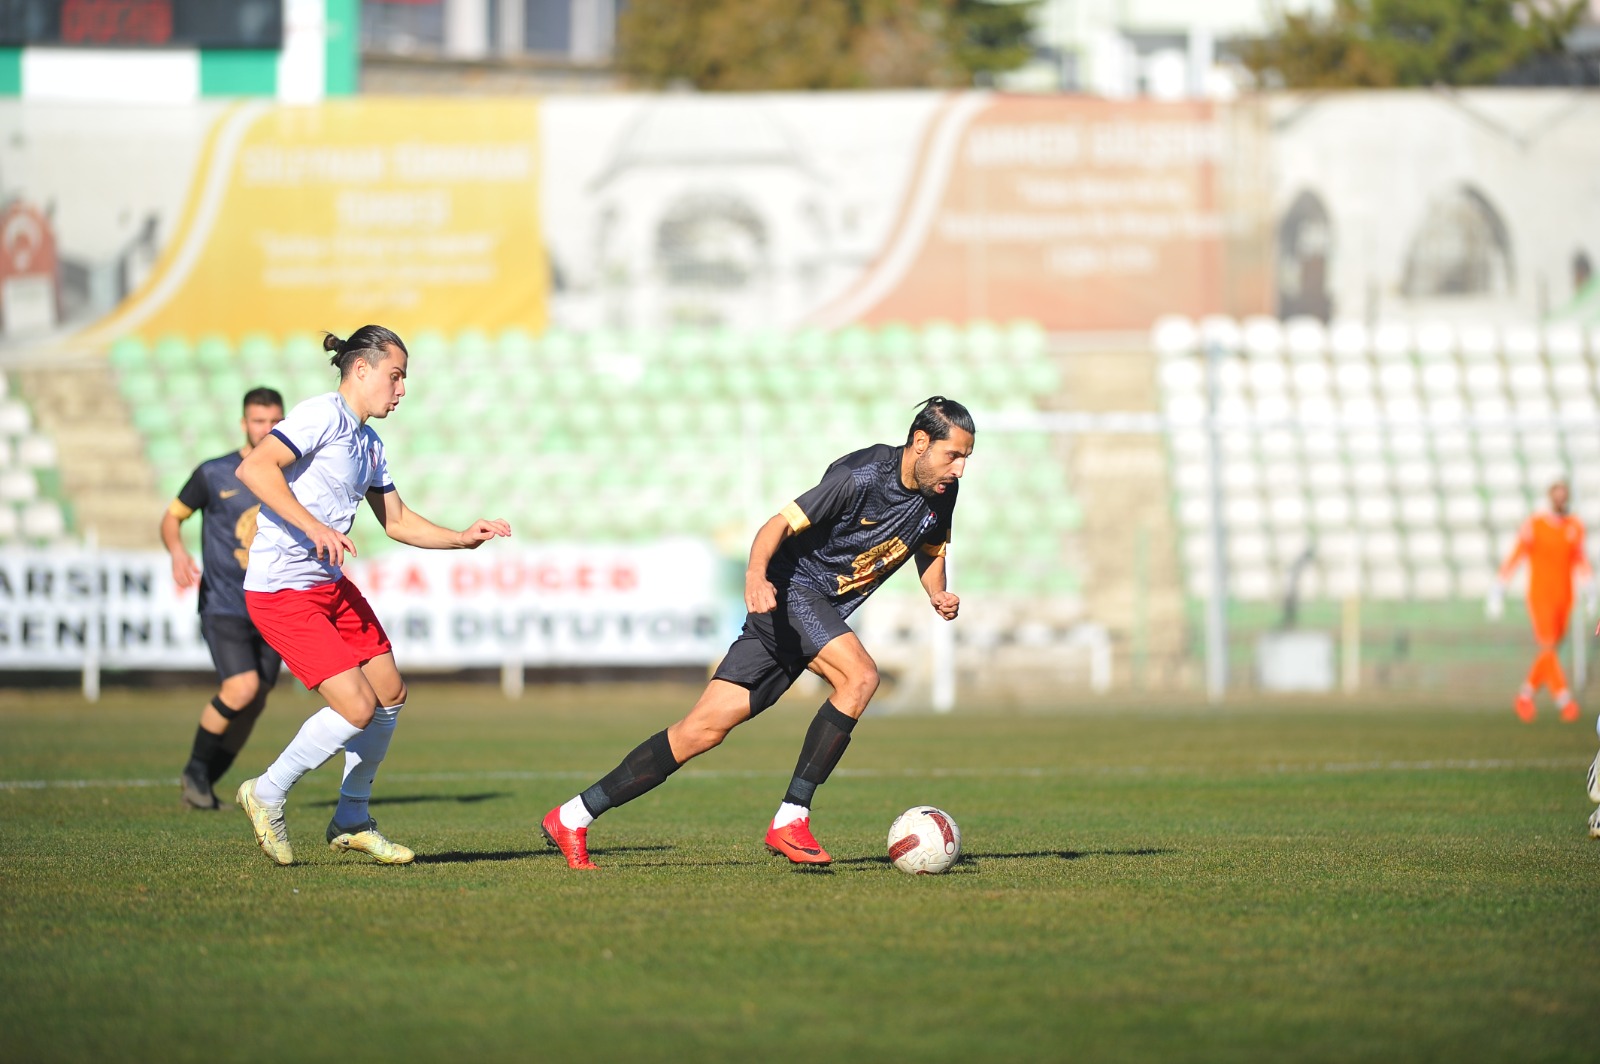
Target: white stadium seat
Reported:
point(1432, 583)
point(1478, 343)
point(1306, 338)
point(1332, 511)
point(37, 452)
point(1421, 511)
point(1263, 336)
point(1182, 375)
point(1521, 343)
point(1370, 474)
point(1465, 510)
point(1391, 342)
point(1349, 340)
point(14, 418)
point(10, 523)
point(1388, 584)
point(1174, 335)
point(1220, 331)
point(1425, 547)
point(42, 520)
point(1267, 378)
point(1470, 548)
point(1375, 510)
point(1571, 378)
point(1564, 343)
point(1380, 546)
point(1441, 378)
point(1435, 341)
point(17, 485)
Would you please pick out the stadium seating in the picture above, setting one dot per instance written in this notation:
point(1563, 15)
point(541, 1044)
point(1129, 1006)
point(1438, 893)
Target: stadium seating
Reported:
point(1356, 443)
point(613, 436)
point(32, 512)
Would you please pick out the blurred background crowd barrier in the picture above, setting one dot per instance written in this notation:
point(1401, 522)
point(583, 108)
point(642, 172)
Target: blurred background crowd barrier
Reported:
point(641, 323)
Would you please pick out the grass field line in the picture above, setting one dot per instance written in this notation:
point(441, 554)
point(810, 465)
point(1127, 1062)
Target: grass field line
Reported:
point(1496, 764)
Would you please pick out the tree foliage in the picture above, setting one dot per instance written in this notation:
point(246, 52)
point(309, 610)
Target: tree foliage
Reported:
point(1394, 43)
point(755, 45)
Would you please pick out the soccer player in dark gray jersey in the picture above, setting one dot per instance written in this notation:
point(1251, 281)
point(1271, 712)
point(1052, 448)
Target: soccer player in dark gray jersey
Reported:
point(246, 666)
point(811, 564)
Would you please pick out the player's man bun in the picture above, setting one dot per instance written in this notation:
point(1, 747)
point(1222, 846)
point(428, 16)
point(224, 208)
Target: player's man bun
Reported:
point(369, 343)
point(938, 416)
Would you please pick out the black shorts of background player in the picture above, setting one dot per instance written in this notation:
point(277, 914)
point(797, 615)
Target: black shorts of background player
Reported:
point(810, 566)
point(246, 666)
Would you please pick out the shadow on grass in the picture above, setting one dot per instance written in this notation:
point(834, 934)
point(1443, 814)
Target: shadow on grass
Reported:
point(474, 856)
point(969, 860)
point(415, 799)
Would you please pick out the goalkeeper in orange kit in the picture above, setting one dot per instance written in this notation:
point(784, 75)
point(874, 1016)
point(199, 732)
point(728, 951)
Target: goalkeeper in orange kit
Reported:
point(1552, 543)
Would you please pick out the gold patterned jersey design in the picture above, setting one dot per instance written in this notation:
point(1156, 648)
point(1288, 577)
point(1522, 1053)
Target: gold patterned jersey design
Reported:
point(874, 563)
point(245, 530)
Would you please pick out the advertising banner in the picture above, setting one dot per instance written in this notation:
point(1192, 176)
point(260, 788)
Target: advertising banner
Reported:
point(261, 218)
point(554, 605)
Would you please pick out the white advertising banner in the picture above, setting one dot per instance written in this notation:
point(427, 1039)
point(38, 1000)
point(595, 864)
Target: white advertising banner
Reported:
point(551, 605)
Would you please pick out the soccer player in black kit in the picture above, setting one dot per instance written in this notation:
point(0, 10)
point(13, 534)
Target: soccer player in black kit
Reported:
point(246, 666)
point(810, 566)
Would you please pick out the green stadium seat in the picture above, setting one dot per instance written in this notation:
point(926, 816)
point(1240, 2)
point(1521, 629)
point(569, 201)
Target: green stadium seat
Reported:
point(429, 346)
point(516, 346)
point(688, 346)
point(730, 347)
point(984, 341)
point(811, 345)
point(129, 353)
point(897, 342)
point(558, 347)
point(227, 388)
point(1041, 378)
point(173, 353)
point(302, 349)
point(940, 340)
point(473, 347)
point(1026, 340)
point(214, 352)
point(258, 354)
point(139, 386)
point(185, 389)
point(854, 342)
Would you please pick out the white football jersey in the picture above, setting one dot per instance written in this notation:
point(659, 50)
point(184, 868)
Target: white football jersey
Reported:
point(337, 460)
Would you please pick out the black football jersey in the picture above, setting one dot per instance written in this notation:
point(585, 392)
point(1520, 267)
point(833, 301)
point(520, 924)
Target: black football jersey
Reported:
point(858, 525)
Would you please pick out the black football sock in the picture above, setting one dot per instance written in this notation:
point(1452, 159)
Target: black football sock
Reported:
point(644, 769)
point(825, 743)
point(233, 739)
point(206, 748)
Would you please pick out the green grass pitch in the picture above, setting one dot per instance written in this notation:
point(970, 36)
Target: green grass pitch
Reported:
point(1301, 881)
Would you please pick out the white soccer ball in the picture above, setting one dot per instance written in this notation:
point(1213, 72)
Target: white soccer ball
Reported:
point(924, 841)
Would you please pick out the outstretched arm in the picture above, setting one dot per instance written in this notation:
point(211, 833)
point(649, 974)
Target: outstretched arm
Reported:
point(930, 570)
point(404, 525)
point(262, 472)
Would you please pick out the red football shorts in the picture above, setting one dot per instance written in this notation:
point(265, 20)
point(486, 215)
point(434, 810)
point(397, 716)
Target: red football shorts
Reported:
point(320, 631)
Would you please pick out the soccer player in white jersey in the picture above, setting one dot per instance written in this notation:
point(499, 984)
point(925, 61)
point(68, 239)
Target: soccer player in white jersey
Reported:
point(311, 473)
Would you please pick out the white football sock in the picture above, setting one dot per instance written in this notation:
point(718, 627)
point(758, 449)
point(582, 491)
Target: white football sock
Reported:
point(319, 738)
point(575, 814)
point(788, 813)
point(362, 756)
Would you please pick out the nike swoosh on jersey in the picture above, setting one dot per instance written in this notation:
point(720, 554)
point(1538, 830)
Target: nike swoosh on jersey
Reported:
point(869, 524)
point(229, 494)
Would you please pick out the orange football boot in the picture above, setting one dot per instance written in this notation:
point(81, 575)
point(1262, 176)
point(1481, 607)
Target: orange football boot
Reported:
point(794, 841)
point(572, 842)
point(1570, 712)
point(1525, 709)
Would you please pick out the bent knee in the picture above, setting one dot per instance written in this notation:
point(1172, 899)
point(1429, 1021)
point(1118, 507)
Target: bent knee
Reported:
point(241, 690)
point(863, 684)
point(392, 695)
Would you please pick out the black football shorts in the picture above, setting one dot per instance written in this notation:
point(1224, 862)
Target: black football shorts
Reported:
point(237, 647)
point(774, 648)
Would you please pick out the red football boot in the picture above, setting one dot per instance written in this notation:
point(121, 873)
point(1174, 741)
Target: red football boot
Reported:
point(572, 842)
point(1525, 709)
point(1570, 712)
point(794, 841)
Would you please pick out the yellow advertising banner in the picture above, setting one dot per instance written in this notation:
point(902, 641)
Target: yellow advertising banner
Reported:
point(415, 214)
